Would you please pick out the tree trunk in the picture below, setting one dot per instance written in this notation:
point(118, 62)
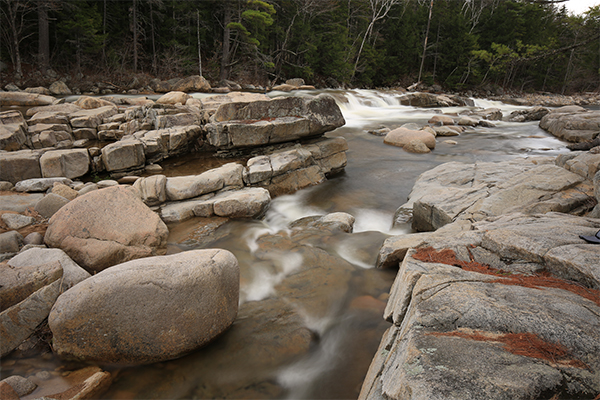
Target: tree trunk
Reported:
point(226, 37)
point(198, 35)
point(135, 36)
point(44, 36)
point(425, 42)
point(154, 62)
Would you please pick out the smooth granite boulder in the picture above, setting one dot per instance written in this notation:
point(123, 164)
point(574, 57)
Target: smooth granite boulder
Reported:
point(148, 310)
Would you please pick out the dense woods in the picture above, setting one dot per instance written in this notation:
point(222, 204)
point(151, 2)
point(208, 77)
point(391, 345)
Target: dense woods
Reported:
point(530, 45)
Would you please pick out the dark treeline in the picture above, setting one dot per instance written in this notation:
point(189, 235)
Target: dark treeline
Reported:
point(515, 44)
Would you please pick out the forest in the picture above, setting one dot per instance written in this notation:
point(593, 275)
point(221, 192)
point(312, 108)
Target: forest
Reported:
point(521, 45)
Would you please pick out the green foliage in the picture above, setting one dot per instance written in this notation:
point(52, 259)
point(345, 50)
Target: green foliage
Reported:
point(507, 44)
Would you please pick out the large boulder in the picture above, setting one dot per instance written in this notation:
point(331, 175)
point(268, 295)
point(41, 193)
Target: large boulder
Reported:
point(13, 130)
point(431, 100)
point(401, 137)
point(242, 124)
point(91, 118)
point(194, 83)
point(148, 310)
point(174, 97)
point(106, 227)
point(489, 313)
point(454, 191)
point(573, 124)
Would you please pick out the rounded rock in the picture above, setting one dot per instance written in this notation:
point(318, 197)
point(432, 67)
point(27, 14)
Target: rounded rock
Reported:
point(148, 310)
point(107, 227)
point(401, 137)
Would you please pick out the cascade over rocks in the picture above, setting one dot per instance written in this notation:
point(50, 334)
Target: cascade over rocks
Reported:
point(148, 310)
point(106, 227)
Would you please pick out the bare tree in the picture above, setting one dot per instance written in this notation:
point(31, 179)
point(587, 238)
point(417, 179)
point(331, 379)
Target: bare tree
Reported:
point(379, 10)
point(14, 13)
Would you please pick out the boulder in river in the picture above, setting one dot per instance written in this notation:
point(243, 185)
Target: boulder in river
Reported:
point(572, 123)
point(106, 227)
point(401, 137)
point(148, 310)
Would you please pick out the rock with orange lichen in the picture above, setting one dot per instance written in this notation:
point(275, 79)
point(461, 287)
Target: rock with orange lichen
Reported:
point(506, 310)
point(148, 310)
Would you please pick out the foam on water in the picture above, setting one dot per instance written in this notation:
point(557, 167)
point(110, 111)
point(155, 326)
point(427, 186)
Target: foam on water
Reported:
point(264, 279)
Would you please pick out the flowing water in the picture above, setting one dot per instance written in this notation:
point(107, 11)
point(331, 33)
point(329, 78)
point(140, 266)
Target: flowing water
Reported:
point(310, 300)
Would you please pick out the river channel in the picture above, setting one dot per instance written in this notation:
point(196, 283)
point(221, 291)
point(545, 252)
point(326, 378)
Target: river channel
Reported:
point(311, 301)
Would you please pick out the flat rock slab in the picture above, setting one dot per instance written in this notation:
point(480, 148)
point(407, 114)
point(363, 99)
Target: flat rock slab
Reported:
point(19, 202)
point(456, 191)
point(507, 310)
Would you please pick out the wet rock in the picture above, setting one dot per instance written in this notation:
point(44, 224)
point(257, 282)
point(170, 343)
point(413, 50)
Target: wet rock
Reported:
point(203, 283)
point(446, 131)
point(72, 273)
point(441, 120)
point(86, 383)
point(401, 137)
point(50, 204)
point(416, 146)
point(431, 100)
point(19, 165)
point(71, 163)
point(572, 124)
point(22, 386)
point(534, 114)
point(17, 221)
point(329, 154)
point(106, 227)
point(7, 392)
point(467, 121)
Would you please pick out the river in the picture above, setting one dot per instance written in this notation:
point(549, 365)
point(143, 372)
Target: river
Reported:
point(311, 300)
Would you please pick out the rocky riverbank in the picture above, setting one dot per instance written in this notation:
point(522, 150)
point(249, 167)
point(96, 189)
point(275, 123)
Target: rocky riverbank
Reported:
point(501, 299)
point(504, 264)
